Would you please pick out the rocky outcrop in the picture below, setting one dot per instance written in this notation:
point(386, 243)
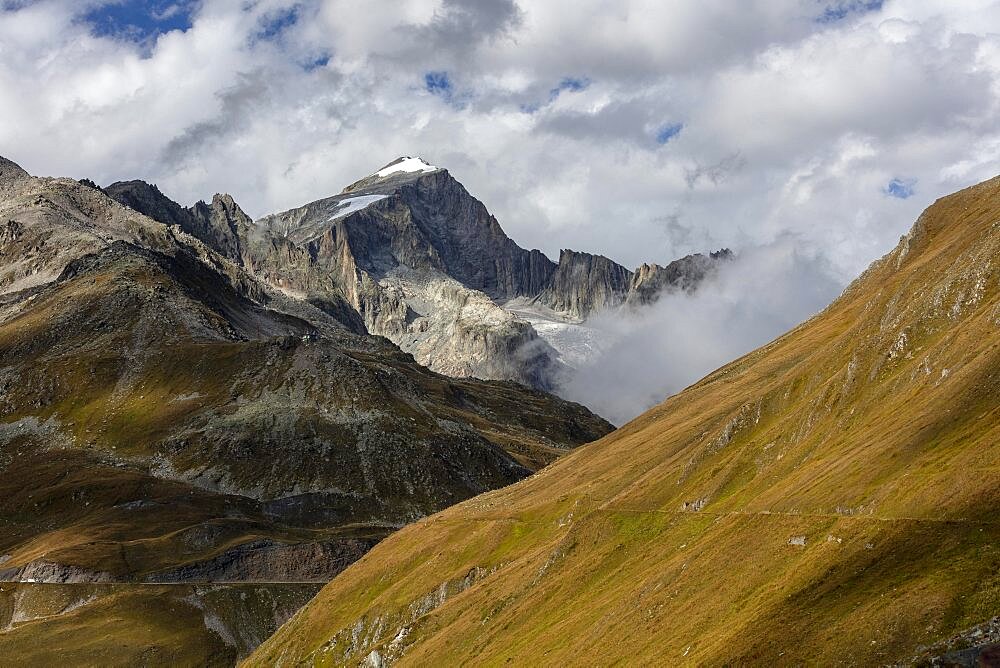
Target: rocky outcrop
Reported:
point(364, 642)
point(650, 281)
point(423, 263)
point(584, 284)
point(48, 572)
point(269, 561)
point(455, 234)
point(461, 332)
point(147, 199)
point(220, 224)
point(10, 173)
point(972, 648)
point(226, 230)
point(145, 625)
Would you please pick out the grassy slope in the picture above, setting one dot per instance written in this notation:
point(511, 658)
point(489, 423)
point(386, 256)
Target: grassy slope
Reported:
point(128, 625)
point(870, 432)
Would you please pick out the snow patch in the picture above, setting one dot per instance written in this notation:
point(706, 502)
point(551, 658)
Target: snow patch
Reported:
point(407, 164)
point(352, 204)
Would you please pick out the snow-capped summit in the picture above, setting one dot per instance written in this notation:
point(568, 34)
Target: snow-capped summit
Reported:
point(406, 164)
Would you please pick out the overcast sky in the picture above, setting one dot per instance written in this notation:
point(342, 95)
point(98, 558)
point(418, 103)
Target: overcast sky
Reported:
point(640, 129)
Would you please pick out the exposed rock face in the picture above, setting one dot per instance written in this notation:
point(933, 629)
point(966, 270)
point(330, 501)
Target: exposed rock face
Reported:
point(212, 625)
point(468, 241)
point(269, 561)
point(147, 198)
point(220, 224)
point(584, 284)
point(686, 274)
point(10, 173)
point(422, 221)
point(48, 572)
point(423, 263)
point(225, 228)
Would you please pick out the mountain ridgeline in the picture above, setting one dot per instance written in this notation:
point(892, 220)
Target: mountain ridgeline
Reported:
point(422, 262)
point(188, 451)
point(829, 499)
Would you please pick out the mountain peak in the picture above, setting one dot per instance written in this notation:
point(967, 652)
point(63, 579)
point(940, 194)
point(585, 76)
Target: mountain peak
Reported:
point(401, 170)
point(406, 164)
point(11, 171)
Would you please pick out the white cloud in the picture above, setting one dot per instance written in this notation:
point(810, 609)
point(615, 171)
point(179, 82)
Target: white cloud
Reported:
point(661, 349)
point(792, 128)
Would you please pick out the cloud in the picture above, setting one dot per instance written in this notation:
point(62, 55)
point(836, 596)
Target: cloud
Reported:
point(660, 350)
point(715, 173)
point(459, 26)
point(795, 116)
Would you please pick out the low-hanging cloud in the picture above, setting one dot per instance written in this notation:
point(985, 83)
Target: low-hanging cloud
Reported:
point(661, 349)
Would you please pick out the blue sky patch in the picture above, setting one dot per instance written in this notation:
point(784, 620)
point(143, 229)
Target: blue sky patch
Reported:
point(571, 84)
point(667, 132)
point(139, 20)
point(316, 63)
point(439, 83)
point(838, 11)
point(568, 84)
point(274, 23)
point(900, 188)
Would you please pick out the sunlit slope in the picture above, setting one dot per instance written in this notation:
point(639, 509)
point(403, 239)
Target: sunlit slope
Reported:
point(830, 498)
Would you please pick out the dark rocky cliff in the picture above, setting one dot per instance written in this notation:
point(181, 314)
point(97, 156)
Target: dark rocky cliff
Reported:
point(584, 284)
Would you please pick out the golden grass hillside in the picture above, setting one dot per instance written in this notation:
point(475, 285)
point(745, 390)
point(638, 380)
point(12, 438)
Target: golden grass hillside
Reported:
point(830, 498)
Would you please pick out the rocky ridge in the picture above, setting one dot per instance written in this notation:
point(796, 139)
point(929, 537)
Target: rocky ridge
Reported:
point(423, 263)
